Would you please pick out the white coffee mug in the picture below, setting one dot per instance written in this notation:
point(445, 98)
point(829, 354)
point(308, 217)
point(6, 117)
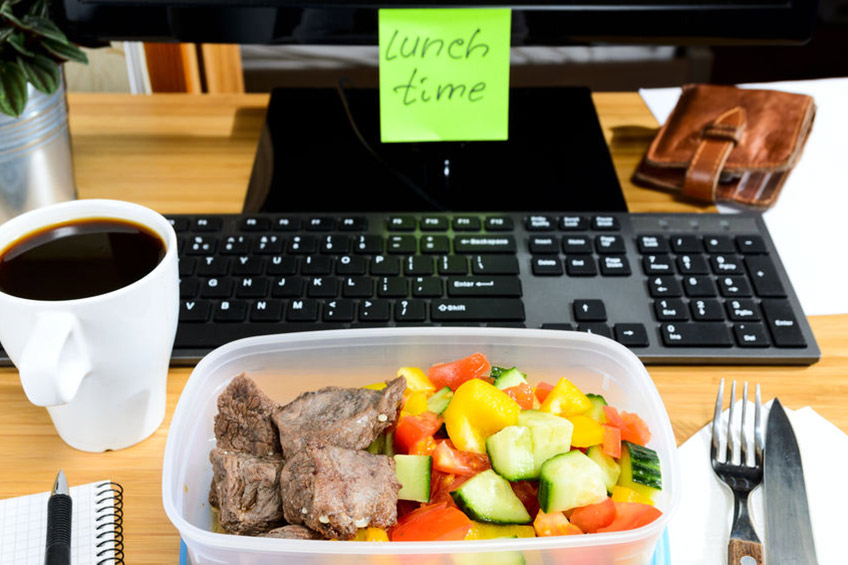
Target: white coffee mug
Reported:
point(99, 364)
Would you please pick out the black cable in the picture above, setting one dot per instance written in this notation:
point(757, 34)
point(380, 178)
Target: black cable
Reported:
point(423, 194)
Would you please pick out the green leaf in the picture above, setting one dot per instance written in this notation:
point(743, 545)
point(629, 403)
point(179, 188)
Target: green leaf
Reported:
point(44, 28)
point(6, 13)
point(18, 41)
point(65, 51)
point(5, 33)
point(13, 89)
point(41, 72)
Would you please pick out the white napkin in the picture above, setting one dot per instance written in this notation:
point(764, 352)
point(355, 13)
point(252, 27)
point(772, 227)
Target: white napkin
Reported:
point(699, 531)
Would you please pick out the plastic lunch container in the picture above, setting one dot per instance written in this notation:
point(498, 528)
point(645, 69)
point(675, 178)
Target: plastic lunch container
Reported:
point(285, 365)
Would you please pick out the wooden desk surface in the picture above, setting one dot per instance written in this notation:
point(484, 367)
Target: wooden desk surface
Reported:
point(184, 153)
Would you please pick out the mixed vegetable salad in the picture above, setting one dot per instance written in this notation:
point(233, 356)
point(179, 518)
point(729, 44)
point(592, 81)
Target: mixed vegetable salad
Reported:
point(482, 454)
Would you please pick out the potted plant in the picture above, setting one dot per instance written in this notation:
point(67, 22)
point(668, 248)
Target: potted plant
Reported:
point(35, 155)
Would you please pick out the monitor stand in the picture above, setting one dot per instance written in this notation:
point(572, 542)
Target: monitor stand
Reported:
point(316, 156)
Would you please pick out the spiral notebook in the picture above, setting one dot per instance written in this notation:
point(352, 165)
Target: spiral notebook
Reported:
point(96, 528)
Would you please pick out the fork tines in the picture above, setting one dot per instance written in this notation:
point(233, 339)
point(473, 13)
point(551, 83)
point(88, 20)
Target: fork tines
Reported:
point(743, 439)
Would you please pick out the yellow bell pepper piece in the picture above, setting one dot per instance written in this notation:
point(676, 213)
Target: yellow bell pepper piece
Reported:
point(371, 534)
point(587, 432)
point(476, 411)
point(565, 399)
point(416, 379)
point(480, 530)
point(624, 494)
point(375, 386)
point(416, 403)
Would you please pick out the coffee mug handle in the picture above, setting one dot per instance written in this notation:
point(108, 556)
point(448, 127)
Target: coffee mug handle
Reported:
point(54, 359)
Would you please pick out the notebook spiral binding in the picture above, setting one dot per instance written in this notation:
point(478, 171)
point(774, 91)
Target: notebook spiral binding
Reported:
point(110, 524)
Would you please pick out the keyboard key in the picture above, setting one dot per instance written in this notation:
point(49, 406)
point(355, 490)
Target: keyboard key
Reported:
point(216, 288)
point(782, 323)
point(670, 310)
point(699, 286)
point(751, 335)
point(385, 266)
point(187, 266)
point(302, 245)
point(358, 287)
point(664, 286)
point(235, 245)
point(401, 223)
point(201, 245)
point(539, 223)
point(546, 266)
point(189, 287)
point(255, 223)
point(719, 244)
point(353, 223)
point(576, 244)
point(657, 265)
point(207, 336)
point(230, 311)
point(686, 244)
point(266, 311)
point(455, 264)
point(605, 223)
point(558, 326)
point(726, 265)
point(434, 223)
point(417, 265)
point(589, 310)
point(652, 244)
point(323, 223)
point(427, 287)
point(706, 310)
point(484, 286)
point(287, 287)
point(375, 311)
point(302, 310)
point(252, 287)
point(764, 277)
point(696, 334)
point(484, 244)
point(631, 335)
point(609, 244)
point(732, 287)
point(280, 265)
point(179, 224)
point(580, 266)
point(323, 287)
point(213, 266)
point(573, 223)
point(287, 223)
point(335, 244)
point(368, 245)
point(339, 310)
point(751, 244)
point(401, 244)
point(435, 244)
point(544, 245)
point(692, 265)
point(195, 310)
point(392, 287)
point(207, 223)
point(614, 266)
point(466, 223)
point(248, 265)
point(491, 265)
point(498, 223)
point(477, 310)
point(595, 328)
point(351, 265)
point(410, 311)
point(316, 265)
point(742, 310)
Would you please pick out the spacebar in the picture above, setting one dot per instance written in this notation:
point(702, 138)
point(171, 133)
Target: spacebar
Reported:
point(477, 310)
point(213, 335)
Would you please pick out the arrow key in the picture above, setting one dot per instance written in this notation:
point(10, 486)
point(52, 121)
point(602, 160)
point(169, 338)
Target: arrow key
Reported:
point(631, 335)
point(589, 311)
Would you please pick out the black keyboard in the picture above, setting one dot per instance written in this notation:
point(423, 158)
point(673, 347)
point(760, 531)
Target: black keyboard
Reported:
point(674, 288)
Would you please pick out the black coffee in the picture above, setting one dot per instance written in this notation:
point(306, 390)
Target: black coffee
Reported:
point(78, 259)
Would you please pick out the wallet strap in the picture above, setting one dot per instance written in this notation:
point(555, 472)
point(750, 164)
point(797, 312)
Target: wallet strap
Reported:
point(718, 138)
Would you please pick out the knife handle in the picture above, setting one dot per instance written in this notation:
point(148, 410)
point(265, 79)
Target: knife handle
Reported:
point(741, 552)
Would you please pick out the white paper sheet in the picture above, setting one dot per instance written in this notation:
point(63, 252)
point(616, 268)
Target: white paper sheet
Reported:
point(809, 223)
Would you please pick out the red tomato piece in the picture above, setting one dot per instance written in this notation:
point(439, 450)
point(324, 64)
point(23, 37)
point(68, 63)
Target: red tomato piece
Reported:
point(634, 429)
point(448, 459)
point(613, 419)
point(457, 372)
point(433, 522)
point(612, 441)
point(594, 516)
point(412, 429)
point(554, 524)
point(631, 515)
point(528, 493)
point(441, 485)
point(522, 394)
point(405, 507)
point(542, 390)
point(424, 446)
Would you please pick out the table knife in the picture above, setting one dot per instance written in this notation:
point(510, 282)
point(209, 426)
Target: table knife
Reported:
point(789, 534)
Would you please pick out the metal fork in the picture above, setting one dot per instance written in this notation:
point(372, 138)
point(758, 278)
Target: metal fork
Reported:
point(744, 547)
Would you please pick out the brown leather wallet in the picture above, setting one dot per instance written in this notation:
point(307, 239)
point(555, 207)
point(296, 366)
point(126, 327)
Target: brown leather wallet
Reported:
point(728, 144)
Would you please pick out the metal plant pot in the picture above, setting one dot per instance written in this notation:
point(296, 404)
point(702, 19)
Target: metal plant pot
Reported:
point(35, 155)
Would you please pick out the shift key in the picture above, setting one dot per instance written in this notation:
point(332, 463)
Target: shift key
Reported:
point(477, 310)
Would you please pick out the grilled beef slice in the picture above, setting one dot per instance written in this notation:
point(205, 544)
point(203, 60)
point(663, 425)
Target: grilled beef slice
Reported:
point(243, 422)
point(292, 532)
point(343, 417)
point(334, 491)
point(246, 491)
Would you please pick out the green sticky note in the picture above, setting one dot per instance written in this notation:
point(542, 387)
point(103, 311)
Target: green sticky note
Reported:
point(444, 74)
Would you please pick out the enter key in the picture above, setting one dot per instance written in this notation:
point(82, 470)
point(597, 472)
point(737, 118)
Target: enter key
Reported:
point(484, 286)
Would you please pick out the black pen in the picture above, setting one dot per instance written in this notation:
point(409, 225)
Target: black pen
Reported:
point(59, 523)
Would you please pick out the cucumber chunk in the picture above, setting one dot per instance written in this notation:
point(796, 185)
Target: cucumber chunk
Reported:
point(439, 400)
point(487, 497)
point(413, 473)
point(640, 469)
point(509, 377)
point(596, 412)
point(550, 434)
point(511, 453)
point(570, 480)
point(609, 466)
